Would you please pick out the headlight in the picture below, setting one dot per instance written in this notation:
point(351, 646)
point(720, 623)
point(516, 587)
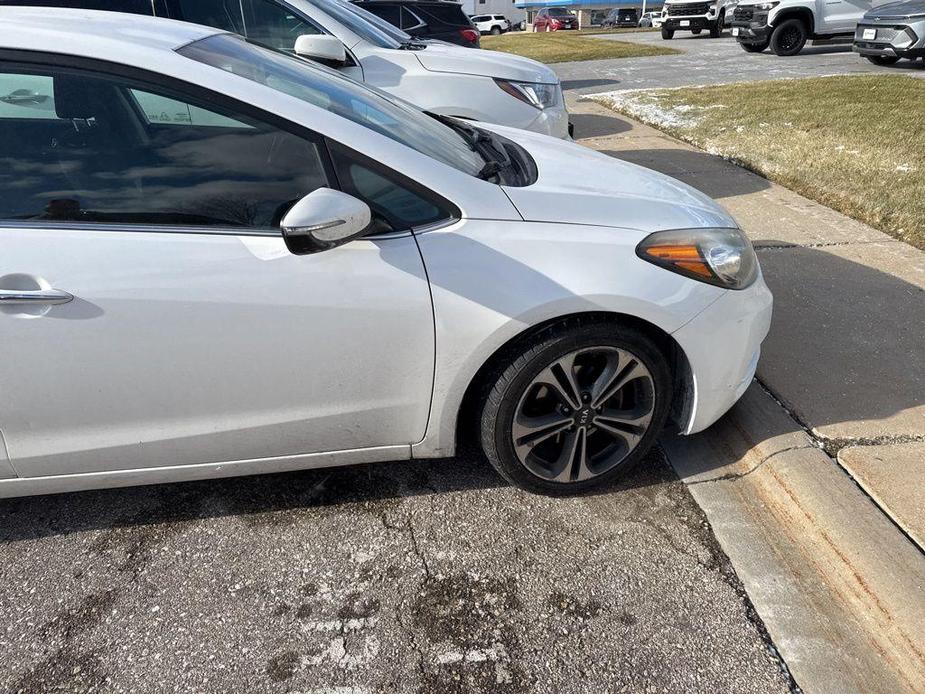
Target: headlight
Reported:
point(723, 257)
point(904, 39)
point(766, 6)
point(536, 94)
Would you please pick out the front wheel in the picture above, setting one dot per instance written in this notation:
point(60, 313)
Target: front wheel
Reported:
point(495, 31)
point(789, 37)
point(754, 47)
point(667, 34)
point(882, 59)
point(576, 408)
point(716, 30)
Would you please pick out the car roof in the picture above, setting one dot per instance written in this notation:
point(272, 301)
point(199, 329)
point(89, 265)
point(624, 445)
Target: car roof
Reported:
point(92, 33)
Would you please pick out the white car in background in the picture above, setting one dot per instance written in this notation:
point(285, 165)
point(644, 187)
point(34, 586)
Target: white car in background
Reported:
point(435, 76)
point(217, 259)
point(491, 23)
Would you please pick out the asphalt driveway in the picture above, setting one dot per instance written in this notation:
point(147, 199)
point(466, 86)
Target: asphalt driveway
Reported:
point(711, 61)
point(406, 577)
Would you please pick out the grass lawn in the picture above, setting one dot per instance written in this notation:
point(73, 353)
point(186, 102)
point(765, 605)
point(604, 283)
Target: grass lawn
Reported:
point(852, 143)
point(565, 46)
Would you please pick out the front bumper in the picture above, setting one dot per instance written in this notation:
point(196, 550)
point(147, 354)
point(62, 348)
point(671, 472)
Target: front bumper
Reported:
point(751, 32)
point(890, 40)
point(551, 121)
point(682, 23)
point(722, 345)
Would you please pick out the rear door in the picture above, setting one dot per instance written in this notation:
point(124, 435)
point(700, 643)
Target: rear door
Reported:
point(151, 313)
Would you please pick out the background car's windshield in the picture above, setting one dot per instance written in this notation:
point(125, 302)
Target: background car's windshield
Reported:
point(333, 92)
point(358, 21)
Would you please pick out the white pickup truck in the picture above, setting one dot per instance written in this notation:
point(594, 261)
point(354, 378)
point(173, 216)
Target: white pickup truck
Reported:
point(694, 16)
point(786, 25)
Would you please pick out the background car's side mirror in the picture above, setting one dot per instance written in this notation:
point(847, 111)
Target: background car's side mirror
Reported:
point(323, 219)
point(321, 47)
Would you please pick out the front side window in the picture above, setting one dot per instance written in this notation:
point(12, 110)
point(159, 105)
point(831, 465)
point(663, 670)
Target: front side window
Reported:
point(274, 25)
point(333, 92)
point(81, 147)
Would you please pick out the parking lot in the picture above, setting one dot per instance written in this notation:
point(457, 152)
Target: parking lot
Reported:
point(405, 577)
point(714, 562)
point(711, 61)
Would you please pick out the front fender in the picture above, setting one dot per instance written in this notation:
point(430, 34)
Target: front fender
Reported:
point(492, 281)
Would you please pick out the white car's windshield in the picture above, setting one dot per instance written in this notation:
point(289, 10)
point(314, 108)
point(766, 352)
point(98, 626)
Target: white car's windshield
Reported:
point(357, 21)
point(338, 94)
point(393, 31)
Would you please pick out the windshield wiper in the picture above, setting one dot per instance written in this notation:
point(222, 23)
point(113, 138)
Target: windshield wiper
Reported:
point(412, 45)
point(488, 145)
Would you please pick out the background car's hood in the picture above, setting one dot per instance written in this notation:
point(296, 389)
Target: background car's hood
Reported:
point(577, 185)
point(897, 9)
point(448, 58)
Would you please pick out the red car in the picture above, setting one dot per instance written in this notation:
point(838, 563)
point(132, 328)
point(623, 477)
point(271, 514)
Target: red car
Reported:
point(554, 18)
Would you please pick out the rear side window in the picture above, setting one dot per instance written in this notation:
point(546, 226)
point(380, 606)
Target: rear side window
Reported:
point(448, 13)
point(390, 13)
point(221, 14)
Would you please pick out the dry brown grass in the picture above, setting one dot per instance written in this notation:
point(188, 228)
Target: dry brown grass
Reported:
point(853, 143)
point(566, 46)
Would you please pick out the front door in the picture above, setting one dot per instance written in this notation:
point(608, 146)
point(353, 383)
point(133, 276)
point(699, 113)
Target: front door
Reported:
point(150, 312)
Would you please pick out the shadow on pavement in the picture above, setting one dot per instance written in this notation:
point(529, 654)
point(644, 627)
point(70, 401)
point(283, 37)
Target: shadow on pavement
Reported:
point(588, 83)
point(593, 125)
point(707, 173)
point(846, 340)
point(326, 490)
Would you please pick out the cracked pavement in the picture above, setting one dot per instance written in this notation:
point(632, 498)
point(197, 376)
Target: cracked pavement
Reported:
point(407, 577)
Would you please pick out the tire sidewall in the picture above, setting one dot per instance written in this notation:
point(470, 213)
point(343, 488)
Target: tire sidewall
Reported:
point(781, 29)
point(497, 417)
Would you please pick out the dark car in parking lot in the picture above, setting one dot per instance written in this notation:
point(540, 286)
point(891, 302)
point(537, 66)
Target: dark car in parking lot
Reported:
point(893, 31)
point(432, 19)
point(621, 17)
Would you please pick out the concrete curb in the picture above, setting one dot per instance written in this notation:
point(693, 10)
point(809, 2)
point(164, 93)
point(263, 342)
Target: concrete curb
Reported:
point(840, 588)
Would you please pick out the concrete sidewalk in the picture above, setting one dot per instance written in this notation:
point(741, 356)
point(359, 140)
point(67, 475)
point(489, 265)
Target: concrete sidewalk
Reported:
point(844, 364)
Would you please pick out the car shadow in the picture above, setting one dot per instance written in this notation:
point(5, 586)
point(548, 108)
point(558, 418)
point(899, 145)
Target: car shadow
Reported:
point(263, 499)
point(594, 125)
point(708, 173)
point(588, 83)
point(845, 344)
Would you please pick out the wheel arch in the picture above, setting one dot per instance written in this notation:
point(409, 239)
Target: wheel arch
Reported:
point(802, 13)
point(682, 399)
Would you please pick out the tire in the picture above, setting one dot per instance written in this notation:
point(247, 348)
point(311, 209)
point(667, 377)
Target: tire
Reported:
point(695, 32)
point(716, 30)
point(883, 59)
point(754, 47)
point(667, 34)
point(597, 352)
point(495, 31)
point(789, 37)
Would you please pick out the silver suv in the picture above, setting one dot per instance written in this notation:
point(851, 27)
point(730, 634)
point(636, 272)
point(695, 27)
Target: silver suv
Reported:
point(892, 31)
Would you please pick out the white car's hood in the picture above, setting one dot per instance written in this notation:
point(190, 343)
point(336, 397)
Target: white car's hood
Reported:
point(577, 185)
point(468, 61)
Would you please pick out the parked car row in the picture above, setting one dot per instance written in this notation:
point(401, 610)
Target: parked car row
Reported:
point(883, 33)
point(441, 78)
point(237, 246)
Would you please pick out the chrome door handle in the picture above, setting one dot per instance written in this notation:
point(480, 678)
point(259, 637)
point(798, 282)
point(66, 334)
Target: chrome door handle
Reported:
point(12, 297)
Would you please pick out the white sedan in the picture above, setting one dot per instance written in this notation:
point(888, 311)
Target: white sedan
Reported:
point(216, 259)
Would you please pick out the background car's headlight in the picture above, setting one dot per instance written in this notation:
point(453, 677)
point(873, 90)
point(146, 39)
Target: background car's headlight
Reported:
point(767, 6)
point(536, 94)
point(723, 257)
